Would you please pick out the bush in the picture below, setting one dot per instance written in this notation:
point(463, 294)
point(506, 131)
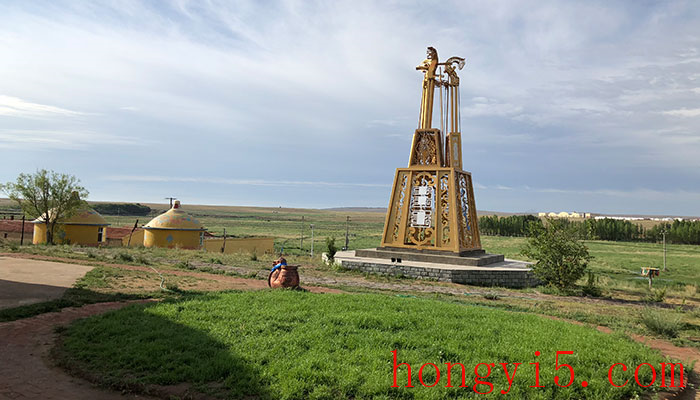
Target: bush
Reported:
point(330, 246)
point(125, 257)
point(561, 258)
point(662, 322)
point(656, 296)
point(591, 289)
point(492, 296)
point(141, 259)
point(254, 257)
point(184, 265)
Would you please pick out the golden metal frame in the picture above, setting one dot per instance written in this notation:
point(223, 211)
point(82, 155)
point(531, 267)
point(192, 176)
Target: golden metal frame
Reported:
point(453, 225)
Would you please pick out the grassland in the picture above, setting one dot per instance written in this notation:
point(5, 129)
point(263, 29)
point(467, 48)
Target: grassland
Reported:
point(624, 307)
point(295, 345)
point(616, 264)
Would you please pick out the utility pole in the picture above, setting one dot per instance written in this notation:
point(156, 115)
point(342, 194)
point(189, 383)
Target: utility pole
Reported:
point(136, 224)
point(301, 242)
point(171, 200)
point(21, 240)
point(347, 232)
point(223, 246)
point(663, 233)
point(312, 240)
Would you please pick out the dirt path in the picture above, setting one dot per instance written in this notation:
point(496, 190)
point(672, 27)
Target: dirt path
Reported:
point(232, 281)
point(25, 370)
point(24, 281)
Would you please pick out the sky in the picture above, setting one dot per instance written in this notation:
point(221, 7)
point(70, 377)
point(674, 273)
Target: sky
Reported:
point(565, 105)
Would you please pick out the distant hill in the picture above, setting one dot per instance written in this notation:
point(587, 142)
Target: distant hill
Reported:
point(357, 209)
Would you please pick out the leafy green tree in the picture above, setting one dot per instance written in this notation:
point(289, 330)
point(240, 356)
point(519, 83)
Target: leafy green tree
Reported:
point(561, 258)
point(331, 247)
point(47, 194)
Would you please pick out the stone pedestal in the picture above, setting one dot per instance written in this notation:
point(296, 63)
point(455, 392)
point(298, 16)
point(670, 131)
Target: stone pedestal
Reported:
point(477, 268)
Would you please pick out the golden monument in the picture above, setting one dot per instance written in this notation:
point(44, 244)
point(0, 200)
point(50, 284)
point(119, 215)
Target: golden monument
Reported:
point(431, 230)
point(432, 202)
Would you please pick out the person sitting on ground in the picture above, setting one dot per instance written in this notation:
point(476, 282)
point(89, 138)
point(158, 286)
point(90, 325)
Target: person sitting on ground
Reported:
point(279, 263)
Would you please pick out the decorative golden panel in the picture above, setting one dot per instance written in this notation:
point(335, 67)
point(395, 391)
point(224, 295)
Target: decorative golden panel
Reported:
point(427, 148)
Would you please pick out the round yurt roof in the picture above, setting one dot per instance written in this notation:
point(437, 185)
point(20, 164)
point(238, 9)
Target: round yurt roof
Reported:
point(86, 216)
point(175, 219)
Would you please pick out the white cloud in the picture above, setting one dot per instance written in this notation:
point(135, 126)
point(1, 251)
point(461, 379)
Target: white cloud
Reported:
point(647, 194)
point(482, 106)
point(683, 112)
point(227, 181)
point(15, 107)
point(33, 140)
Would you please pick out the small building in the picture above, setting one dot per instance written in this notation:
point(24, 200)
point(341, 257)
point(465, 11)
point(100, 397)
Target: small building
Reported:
point(119, 236)
point(251, 245)
point(174, 229)
point(12, 229)
point(86, 227)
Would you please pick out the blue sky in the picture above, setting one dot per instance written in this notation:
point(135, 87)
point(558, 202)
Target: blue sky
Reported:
point(588, 106)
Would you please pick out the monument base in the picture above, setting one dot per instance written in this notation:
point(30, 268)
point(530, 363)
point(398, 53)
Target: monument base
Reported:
point(476, 268)
point(473, 258)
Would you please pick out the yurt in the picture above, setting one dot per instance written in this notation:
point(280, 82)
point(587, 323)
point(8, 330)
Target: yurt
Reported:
point(86, 227)
point(174, 229)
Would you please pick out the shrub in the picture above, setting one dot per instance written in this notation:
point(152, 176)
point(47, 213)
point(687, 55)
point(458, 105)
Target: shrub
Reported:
point(254, 257)
point(184, 265)
point(561, 258)
point(330, 246)
point(662, 322)
point(172, 287)
point(123, 256)
point(591, 288)
point(141, 259)
point(656, 296)
point(492, 296)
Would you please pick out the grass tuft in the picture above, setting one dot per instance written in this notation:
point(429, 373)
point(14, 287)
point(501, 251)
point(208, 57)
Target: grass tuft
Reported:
point(661, 322)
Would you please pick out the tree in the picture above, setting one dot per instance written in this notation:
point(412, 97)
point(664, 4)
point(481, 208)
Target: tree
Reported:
point(561, 258)
point(332, 249)
point(48, 195)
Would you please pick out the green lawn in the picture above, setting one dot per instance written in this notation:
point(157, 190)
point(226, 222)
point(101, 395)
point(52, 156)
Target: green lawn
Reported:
point(621, 262)
point(296, 345)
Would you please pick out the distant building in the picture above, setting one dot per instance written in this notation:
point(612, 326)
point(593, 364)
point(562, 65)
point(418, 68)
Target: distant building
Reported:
point(564, 214)
point(86, 227)
point(119, 236)
point(12, 229)
point(174, 229)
